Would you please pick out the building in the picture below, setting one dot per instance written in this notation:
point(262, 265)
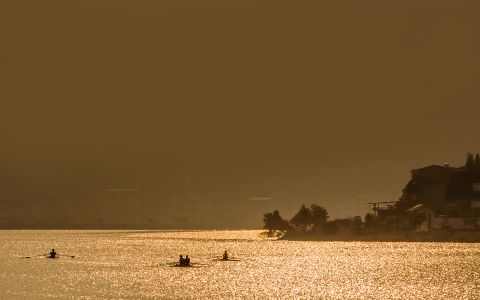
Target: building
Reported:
point(443, 197)
point(449, 191)
point(423, 211)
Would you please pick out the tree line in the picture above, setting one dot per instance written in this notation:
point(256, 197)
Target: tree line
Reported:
point(307, 219)
point(472, 162)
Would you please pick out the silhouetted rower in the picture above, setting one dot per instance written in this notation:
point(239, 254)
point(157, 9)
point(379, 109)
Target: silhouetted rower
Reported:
point(225, 255)
point(181, 261)
point(53, 254)
point(187, 261)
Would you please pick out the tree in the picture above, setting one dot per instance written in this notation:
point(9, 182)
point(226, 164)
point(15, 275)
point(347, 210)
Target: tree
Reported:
point(476, 164)
point(302, 219)
point(273, 221)
point(319, 215)
point(470, 162)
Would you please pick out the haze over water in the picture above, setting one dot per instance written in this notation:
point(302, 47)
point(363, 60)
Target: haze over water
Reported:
point(137, 264)
point(217, 102)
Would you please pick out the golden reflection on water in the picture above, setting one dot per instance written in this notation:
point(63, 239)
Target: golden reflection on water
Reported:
point(137, 264)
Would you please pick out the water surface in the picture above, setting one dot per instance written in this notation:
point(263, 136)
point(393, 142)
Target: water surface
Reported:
point(137, 264)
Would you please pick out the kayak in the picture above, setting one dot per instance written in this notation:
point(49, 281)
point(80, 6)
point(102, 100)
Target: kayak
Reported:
point(58, 256)
point(191, 265)
point(48, 256)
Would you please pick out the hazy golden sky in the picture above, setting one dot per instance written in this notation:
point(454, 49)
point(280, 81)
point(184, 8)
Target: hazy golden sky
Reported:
point(323, 101)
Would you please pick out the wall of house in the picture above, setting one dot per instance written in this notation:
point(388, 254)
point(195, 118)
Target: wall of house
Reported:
point(433, 193)
point(433, 174)
point(433, 182)
point(455, 223)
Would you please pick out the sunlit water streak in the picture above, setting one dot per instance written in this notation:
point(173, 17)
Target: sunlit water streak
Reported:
point(136, 264)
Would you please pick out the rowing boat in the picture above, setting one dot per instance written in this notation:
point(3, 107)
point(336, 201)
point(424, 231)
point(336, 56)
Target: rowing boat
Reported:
point(228, 259)
point(184, 266)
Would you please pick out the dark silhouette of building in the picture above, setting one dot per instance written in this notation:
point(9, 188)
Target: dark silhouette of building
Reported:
point(450, 191)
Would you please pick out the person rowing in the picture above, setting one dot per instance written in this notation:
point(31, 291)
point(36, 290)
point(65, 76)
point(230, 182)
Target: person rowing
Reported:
point(184, 262)
point(52, 254)
point(226, 257)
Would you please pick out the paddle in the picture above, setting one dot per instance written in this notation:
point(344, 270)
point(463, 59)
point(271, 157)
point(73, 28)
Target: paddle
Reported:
point(35, 256)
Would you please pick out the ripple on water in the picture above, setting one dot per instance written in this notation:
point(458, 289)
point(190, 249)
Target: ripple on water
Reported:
point(136, 264)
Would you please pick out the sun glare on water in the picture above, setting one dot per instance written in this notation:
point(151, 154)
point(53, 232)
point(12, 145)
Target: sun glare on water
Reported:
point(140, 264)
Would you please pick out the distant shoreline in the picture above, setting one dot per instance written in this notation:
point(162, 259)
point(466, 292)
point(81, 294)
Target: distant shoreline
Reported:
point(115, 227)
point(394, 236)
point(447, 236)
